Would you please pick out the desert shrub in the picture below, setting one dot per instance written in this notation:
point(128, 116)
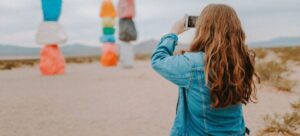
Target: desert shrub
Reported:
point(80, 60)
point(288, 53)
point(260, 53)
point(283, 84)
point(9, 66)
point(296, 105)
point(29, 63)
point(143, 56)
point(272, 72)
point(282, 125)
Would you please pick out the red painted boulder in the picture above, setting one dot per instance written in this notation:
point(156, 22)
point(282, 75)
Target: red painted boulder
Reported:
point(110, 55)
point(52, 61)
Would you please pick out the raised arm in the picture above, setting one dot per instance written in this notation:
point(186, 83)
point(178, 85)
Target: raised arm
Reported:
point(176, 69)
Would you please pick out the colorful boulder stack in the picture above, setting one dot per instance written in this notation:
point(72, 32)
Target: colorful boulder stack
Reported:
point(50, 34)
point(127, 31)
point(109, 55)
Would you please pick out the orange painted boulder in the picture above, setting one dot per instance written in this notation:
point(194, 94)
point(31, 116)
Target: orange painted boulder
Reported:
point(109, 57)
point(52, 61)
point(126, 9)
point(107, 9)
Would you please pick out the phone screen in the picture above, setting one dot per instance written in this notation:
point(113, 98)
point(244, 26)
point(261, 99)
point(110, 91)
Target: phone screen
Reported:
point(191, 21)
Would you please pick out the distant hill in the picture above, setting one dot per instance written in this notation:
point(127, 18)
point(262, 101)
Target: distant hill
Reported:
point(145, 47)
point(69, 50)
point(278, 42)
point(17, 51)
point(80, 50)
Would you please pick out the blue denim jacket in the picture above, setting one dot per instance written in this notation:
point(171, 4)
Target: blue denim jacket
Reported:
point(194, 116)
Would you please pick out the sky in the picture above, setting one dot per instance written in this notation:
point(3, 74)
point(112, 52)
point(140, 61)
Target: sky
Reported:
point(262, 19)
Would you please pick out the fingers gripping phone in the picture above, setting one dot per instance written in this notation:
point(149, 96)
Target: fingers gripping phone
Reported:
point(190, 21)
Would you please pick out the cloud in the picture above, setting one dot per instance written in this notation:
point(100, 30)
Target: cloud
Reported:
point(262, 19)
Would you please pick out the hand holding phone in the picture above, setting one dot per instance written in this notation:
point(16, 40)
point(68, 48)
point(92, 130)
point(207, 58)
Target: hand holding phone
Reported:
point(179, 27)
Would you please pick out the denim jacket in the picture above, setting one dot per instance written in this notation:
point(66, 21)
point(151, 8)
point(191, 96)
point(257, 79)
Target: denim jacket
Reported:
point(194, 116)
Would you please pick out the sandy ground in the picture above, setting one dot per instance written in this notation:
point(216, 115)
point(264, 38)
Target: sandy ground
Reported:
point(93, 101)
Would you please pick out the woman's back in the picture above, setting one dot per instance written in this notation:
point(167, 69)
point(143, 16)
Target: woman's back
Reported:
point(194, 115)
point(215, 77)
point(202, 118)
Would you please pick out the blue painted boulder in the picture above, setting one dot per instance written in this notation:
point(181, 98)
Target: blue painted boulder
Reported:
point(108, 39)
point(51, 9)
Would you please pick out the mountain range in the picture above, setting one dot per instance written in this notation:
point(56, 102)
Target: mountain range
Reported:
point(68, 50)
point(145, 47)
point(277, 42)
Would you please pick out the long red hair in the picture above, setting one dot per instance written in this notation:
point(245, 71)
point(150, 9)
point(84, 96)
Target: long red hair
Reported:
point(229, 66)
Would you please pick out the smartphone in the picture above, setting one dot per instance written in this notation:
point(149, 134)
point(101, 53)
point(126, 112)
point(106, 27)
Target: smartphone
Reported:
point(190, 21)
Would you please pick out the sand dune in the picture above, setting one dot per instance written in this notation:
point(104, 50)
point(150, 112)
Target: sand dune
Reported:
point(93, 101)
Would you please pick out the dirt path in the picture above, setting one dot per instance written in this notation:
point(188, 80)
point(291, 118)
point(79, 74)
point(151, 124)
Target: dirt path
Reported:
point(93, 101)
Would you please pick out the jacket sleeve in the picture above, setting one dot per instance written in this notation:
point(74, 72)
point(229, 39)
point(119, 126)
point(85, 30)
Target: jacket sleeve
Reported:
point(176, 69)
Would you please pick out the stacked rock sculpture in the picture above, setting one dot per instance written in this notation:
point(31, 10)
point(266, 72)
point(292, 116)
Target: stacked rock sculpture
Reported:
point(109, 55)
point(127, 32)
point(51, 34)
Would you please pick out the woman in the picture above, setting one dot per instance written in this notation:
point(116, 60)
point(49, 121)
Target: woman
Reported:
point(215, 77)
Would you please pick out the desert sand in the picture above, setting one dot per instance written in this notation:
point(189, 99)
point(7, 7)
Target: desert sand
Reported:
point(90, 100)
